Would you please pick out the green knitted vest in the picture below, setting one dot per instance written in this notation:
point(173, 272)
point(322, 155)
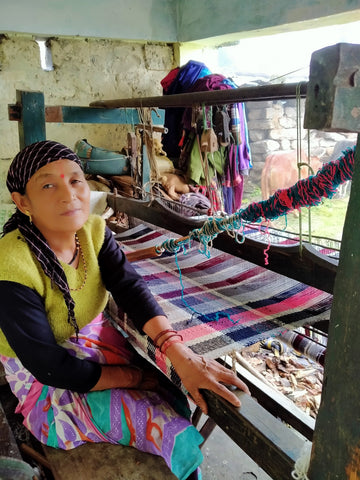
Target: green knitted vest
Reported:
point(17, 264)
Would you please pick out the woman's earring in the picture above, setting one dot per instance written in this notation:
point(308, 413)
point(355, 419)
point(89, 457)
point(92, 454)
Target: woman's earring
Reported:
point(29, 215)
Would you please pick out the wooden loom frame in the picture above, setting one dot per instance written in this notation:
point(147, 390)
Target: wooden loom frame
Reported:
point(255, 428)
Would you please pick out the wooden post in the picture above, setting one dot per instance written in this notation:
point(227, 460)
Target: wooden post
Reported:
point(333, 96)
point(336, 442)
point(32, 123)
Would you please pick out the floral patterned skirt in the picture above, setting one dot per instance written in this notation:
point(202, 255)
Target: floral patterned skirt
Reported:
point(153, 422)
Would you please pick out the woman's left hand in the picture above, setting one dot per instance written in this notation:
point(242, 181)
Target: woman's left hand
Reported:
point(197, 373)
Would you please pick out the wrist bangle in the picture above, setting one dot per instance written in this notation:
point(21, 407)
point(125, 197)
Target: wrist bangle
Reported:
point(168, 344)
point(168, 338)
point(162, 333)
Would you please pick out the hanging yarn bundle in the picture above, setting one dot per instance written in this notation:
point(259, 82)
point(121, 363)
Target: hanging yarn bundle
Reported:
point(307, 192)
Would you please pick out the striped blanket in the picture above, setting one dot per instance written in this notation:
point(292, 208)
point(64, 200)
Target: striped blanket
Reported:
point(219, 304)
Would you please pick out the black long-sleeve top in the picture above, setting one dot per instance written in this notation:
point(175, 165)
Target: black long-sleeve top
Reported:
point(24, 322)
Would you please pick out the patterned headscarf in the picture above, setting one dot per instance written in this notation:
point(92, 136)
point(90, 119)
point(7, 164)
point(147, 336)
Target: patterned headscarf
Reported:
point(22, 168)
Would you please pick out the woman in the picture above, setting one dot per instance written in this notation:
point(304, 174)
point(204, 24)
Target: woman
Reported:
point(75, 377)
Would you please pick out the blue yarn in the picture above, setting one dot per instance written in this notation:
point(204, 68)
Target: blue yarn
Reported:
point(194, 311)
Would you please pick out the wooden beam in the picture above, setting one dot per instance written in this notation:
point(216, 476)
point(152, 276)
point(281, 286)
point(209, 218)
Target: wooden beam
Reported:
point(67, 114)
point(269, 442)
point(214, 97)
point(332, 102)
point(278, 404)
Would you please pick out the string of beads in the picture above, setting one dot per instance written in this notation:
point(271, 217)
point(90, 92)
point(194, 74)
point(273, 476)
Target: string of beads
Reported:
point(77, 249)
point(82, 256)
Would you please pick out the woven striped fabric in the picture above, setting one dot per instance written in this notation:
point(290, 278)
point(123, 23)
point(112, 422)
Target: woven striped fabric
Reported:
point(219, 304)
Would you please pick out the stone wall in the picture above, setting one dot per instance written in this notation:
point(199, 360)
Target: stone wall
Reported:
point(85, 70)
point(273, 127)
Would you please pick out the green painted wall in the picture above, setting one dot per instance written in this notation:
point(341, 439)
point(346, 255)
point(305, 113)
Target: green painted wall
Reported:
point(150, 20)
point(170, 20)
point(203, 19)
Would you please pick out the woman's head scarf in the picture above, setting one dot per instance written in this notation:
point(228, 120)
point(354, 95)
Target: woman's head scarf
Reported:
point(22, 168)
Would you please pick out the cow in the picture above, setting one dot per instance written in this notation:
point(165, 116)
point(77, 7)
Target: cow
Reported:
point(281, 171)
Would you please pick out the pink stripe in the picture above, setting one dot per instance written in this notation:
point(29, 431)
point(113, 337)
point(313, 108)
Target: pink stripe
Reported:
point(253, 272)
point(239, 278)
point(199, 331)
point(211, 262)
point(292, 302)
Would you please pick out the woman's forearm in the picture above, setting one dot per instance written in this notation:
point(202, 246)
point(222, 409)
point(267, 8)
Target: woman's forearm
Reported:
point(118, 376)
point(194, 370)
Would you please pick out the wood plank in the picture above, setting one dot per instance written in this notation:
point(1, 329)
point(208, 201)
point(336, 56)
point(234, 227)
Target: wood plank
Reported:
point(104, 462)
point(70, 114)
point(32, 123)
point(269, 442)
point(307, 266)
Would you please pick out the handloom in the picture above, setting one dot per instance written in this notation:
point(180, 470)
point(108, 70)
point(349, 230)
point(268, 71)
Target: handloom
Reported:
point(305, 193)
point(219, 304)
point(331, 105)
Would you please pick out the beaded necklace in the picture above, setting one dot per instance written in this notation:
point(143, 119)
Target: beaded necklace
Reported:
point(77, 249)
point(84, 266)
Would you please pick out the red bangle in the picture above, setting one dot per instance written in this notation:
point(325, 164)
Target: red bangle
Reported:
point(159, 335)
point(168, 338)
point(168, 344)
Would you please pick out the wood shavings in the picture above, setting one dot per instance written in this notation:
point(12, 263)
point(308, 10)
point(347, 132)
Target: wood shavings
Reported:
point(295, 376)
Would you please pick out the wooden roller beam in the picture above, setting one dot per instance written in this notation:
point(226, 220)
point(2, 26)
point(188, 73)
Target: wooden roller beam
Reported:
point(214, 97)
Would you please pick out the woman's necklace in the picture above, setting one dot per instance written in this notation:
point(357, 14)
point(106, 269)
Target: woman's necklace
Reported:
point(84, 266)
point(77, 249)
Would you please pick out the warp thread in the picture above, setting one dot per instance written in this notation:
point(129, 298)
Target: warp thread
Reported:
point(307, 192)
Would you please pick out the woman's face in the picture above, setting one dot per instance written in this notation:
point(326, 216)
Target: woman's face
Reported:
point(57, 197)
